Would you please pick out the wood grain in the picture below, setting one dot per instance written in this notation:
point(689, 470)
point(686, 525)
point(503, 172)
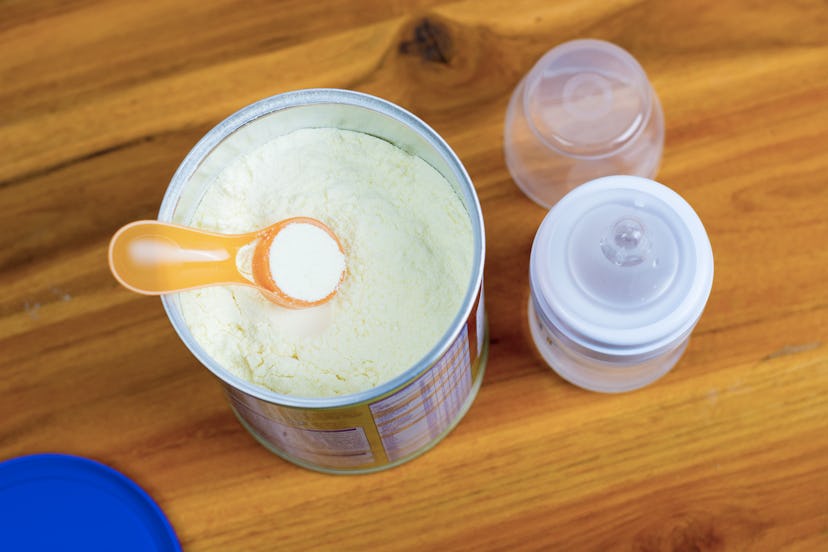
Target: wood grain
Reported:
point(99, 102)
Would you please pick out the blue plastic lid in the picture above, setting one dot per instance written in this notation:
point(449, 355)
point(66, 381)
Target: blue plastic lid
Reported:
point(63, 502)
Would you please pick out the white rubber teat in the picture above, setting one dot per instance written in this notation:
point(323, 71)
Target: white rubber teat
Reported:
point(626, 243)
point(623, 252)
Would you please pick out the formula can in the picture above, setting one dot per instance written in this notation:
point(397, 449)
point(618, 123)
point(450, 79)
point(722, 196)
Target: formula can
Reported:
point(404, 417)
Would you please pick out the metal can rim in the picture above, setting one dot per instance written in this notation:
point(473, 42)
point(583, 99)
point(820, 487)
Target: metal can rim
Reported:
point(306, 97)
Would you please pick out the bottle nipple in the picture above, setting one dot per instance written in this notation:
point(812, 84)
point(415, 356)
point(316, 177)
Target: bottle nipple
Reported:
point(626, 243)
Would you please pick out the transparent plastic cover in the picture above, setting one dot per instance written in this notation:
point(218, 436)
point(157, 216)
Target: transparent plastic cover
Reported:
point(587, 97)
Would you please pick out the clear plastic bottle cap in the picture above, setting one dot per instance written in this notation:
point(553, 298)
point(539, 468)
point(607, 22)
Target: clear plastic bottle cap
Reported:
point(585, 110)
point(622, 267)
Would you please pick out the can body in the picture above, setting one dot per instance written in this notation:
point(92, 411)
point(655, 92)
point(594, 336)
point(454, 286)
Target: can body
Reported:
point(381, 432)
point(400, 419)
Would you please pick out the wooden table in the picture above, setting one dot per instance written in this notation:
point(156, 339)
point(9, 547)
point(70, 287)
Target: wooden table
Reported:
point(100, 101)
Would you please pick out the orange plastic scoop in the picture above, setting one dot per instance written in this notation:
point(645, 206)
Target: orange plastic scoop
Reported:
point(153, 258)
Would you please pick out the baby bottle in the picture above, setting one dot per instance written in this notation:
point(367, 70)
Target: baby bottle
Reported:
point(620, 272)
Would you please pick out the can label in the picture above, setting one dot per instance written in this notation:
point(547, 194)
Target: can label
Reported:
point(384, 430)
point(410, 418)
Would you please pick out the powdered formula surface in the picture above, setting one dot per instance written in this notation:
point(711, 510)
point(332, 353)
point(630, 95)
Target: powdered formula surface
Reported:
point(408, 244)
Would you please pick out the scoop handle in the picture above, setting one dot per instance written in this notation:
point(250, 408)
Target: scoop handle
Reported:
point(152, 257)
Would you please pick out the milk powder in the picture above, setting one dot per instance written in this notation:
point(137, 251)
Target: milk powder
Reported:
point(408, 244)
